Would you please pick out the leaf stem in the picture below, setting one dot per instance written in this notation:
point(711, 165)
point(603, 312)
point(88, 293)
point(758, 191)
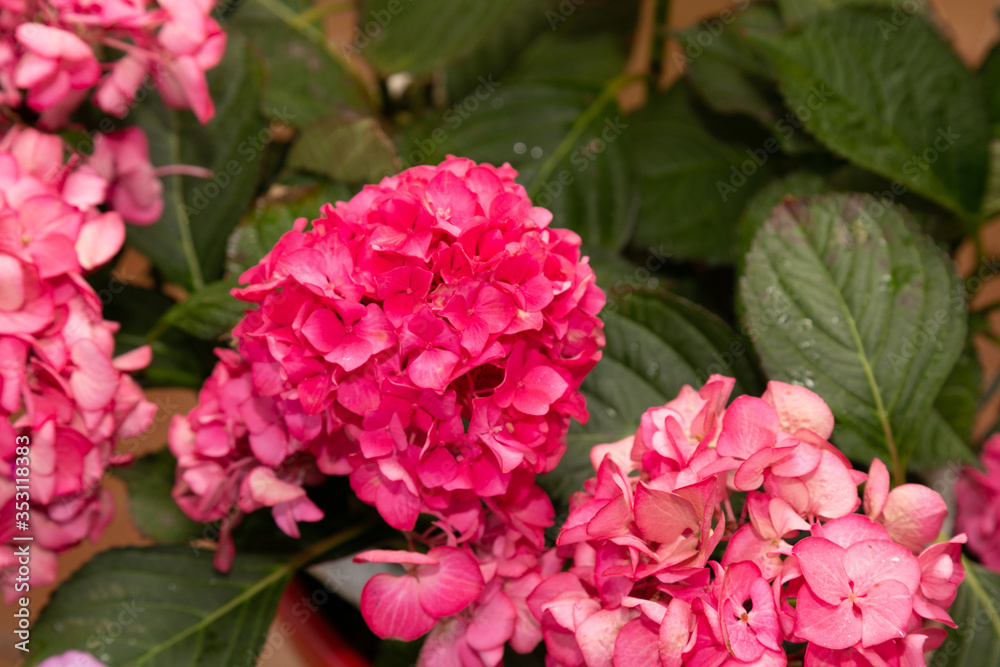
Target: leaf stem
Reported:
point(896, 466)
point(579, 127)
point(302, 558)
point(183, 222)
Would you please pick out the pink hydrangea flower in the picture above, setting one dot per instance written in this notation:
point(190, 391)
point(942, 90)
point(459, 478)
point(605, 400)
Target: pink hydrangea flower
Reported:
point(644, 588)
point(50, 54)
point(61, 385)
point(978, 495)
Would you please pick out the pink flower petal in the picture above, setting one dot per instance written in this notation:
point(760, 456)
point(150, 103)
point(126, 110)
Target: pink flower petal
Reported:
point(452, 584)
point(391, 608)
point(822, 564)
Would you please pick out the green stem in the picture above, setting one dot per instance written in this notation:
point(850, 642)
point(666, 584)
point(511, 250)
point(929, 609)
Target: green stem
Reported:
point(301, 559)
point(183, 222)
point(579, 127)
point(897, 468)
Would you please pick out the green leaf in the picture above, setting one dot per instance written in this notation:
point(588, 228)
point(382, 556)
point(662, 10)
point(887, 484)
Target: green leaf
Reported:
point(976, 610)
point(693, 185)
point(168, 606)
point(894, 99)
point(588, 61)
point(656, 344)
point(989, 74)
point(208, 313)
point(304, 80)
point(150, 481)
point(498, 52)
point(958, 401)
point(850, 299)
point(731, 74)
point(796, 11)
point(419, 37)
point(342, 149)
point(188, 243)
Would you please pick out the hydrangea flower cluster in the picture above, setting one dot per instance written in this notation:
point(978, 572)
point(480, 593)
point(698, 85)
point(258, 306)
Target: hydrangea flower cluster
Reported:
point(60, 388)
point(49, 55)
point(653, 567)
point(427, 338)
point(978, 498)
point(664, 572)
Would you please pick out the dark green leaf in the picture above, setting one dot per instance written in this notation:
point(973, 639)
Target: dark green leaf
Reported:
point(850, 299)
point(693, 185)
point(959, 398)
point(188, 243)
point(150, 480)
point(498, 52)
point(796, 11)
point(208, 313)
point(169, 606)
point(731, 73)
point(655, 346)
point(976, 610)
point(163, 606)
point(419, 37)
point(342, 149)
point(588, 61)
point(989, 74)
point(304, 79)
point(894, 99)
